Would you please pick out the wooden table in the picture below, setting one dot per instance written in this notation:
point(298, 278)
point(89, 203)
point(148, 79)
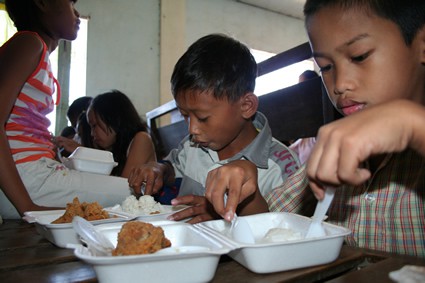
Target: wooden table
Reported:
point(25, 256)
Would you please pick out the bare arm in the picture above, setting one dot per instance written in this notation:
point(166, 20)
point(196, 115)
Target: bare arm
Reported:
point(68, 144)
point(344, 144)
point(141, 152)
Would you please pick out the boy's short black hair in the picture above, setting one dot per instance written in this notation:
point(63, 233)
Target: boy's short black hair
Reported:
point(309, 74)
point(216, 63)
point(68, 132)
point(24, 13)
point(408, 15)
point(77, 107)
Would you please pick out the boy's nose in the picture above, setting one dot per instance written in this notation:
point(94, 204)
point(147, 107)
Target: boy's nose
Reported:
point(342, 82)
point(193, 127)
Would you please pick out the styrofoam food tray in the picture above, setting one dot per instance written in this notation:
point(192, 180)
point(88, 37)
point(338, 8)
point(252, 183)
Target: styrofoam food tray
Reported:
point(82, 152)
point(63, 234)
point(193, 257)
point(91, 166)
point(90, 160)
point(167, 211)
point(266, 257)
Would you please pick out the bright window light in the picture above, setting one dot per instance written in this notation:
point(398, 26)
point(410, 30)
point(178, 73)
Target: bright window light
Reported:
point(280, 78)
point(77, 76)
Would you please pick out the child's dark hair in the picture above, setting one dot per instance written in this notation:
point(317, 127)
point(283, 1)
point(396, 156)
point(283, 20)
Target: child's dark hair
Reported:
point(117, 111)
point(216, 63)
point(84, 131)
point(309, 74)
point(408, 15)
point(24, 13)
point(77, 107)
point(68, 132)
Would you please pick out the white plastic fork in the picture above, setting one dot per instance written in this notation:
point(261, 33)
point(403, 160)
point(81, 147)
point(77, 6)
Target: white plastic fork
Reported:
point(142, 191)
point(240, 229)
point(316, 228)
point(96, 242)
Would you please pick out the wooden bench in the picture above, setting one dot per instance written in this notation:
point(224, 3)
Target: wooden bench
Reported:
point(294, 112)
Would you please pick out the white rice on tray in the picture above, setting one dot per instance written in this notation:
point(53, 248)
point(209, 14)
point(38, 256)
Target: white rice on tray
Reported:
point(146, 205)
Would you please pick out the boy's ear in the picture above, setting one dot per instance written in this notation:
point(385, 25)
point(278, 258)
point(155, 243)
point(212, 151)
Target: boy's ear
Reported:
point(249, 105)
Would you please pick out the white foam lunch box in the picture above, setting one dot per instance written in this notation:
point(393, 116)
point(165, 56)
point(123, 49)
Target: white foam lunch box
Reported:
point(90, 160)
point(199, 247)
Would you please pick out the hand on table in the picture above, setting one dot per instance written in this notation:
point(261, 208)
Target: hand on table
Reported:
point(199, 209)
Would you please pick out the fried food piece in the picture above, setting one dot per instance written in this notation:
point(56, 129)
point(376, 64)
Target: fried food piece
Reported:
point(88, 211)
point(138, 237)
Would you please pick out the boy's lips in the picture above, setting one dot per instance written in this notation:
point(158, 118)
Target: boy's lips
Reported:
point(200, 143)
point(351, 108)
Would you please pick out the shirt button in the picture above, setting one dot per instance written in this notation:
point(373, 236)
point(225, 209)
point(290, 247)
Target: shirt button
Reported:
point(370, 198)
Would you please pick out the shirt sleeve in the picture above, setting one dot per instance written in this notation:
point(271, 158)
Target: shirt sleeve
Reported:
point(177, 157)
point(293, 195)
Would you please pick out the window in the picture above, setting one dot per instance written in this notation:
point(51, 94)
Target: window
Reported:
point(77, 80)
point(77, 73)
point(280, 78)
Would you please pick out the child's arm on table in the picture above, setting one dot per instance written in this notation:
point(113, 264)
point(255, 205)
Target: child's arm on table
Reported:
point(239, 180)
point(344, 144)
point(18, 60)
point(199, 210)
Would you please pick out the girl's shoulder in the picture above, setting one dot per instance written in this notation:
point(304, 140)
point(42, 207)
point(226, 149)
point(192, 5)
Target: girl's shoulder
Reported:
point(142, 136)
point(25, 38)
point(140, 139)
point(24, 43)
point(20, 57)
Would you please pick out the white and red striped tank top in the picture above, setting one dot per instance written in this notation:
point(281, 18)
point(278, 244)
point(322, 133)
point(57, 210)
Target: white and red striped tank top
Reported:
point(27, 126)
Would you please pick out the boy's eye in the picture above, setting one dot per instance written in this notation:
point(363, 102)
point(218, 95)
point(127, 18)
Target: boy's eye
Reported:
point(202, 119)
point(325, 69)
point(360, 58)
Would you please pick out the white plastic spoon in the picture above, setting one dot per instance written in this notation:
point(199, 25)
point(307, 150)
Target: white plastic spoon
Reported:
point(240, 229)
point(316, 229)
point(96, 242)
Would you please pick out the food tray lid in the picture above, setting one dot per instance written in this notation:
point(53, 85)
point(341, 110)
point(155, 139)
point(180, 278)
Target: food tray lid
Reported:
point(45, 218)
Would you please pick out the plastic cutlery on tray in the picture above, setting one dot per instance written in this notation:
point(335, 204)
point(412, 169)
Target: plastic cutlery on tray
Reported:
point(240, 229)
point(316, 229)
point(96, 241)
